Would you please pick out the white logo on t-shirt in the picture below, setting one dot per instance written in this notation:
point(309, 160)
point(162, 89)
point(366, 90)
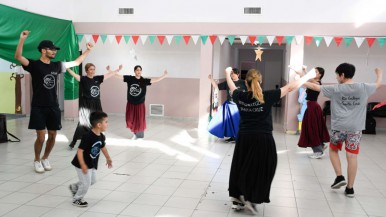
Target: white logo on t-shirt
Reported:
point(95, 149)
point(94, 91)
point(135, 90)
point(49, 81)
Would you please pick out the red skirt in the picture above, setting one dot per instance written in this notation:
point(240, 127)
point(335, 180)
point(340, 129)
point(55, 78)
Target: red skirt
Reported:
point(135, 117)
point(314, 130)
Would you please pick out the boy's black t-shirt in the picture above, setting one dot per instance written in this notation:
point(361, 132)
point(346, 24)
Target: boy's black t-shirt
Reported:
point(91, 86)
point(136, 88)
point(91, 145)
point(44, 81)
point(254, 116)
point(240, 84)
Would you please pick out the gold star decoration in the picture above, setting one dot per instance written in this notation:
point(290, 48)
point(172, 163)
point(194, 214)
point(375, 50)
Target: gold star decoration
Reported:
point(258, 52)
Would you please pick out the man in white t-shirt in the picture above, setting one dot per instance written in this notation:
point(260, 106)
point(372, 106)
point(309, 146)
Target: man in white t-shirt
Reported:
point(348, 118)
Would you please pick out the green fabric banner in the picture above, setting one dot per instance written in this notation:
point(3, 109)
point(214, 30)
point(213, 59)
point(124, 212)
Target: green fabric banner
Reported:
point(13, 21)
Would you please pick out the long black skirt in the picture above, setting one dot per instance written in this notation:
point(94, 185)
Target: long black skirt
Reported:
point(86, 107)
point(253, 167)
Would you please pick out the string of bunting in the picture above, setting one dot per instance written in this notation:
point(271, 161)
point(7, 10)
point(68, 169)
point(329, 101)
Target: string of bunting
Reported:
point(221, 38)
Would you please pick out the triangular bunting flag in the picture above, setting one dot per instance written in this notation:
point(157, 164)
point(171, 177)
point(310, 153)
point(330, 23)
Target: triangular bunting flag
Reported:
point(370, 41)
point(151, 38)
point(178, 38)
point(317, 39)
point(270, 39)
point(135, 38)
point(203, 38)
point(213, 38)
point(88, 38)
point(243, 39)
point(161, 39)
point(359, 40)
point(252, 39)
point(298, 39)
point(95, 38)
point(186, 38)
point(328, 40)
point(289, 39)
point(195, 38)
point(348, 40)
point(308, 39)
point(279, 39)
point(221, 38)
point(381, 41)
point(111, 38)
point(103, 37)
point(118, 38)
point(261, 39)
point(231, 39)
point(169, 38)
point(143, 39)
point(127, 38)
point(80, 37)
point(338, 40)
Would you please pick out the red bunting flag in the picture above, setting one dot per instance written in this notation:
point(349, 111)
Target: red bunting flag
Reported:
point(370, 41)
point(279, 39)
point(186, 38)
point(135, 38)
point(338, 40)
point(95, 38)
point(118, 38)
point(213, 38)
point(161, 39)
point(308, 39)
point(252, 39)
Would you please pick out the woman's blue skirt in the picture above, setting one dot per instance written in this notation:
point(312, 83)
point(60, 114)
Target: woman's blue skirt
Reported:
point(225, 123)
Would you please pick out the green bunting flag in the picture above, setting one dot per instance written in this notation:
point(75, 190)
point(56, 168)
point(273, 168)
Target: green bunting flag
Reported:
point(204, 38)
point(178, 38)
point(127, 38)
point(318, 39)
point(103, 37)
point(348, 40)
point(381, 41)
point(231, 38)
point(261, 39)
point(80, 37)
point(289, 39)
point(151, 38)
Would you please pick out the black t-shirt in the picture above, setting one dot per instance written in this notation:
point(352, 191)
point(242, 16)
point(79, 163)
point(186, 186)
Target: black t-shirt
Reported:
point(44, 81)
point(91, 86)
point(240, 84)
point(255, 117)
point(312, 95)
point(91, 145)
point(136, 88)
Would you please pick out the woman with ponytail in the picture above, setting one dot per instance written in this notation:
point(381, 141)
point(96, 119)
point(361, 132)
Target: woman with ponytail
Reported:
point(254, 158)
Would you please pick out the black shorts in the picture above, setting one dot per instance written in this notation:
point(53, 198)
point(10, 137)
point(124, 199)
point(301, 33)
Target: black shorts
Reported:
point(42, 117)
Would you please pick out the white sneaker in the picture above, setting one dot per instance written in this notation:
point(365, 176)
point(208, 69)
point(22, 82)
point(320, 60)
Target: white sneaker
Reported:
point(316, 155)
point(46, 165)
point(38, 167)
point(325, 146)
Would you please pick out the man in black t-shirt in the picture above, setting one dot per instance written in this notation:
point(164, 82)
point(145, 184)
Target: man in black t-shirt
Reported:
point(45, 112)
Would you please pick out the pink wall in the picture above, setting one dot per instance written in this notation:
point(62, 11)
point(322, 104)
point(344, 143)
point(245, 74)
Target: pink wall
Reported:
point(114, 92)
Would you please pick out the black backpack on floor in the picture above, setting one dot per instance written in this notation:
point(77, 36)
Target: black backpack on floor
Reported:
point(3, 130)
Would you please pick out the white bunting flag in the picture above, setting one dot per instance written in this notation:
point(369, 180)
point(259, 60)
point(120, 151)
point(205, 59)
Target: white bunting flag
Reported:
point(359, 40)
point(298, 39)
point(270, 39)
point(221, 38)
point(195, 38)
point(243, 39)
point(328, 40)
point(111, 38)
point(169, 38)
point(88, 38)
point(143, 39)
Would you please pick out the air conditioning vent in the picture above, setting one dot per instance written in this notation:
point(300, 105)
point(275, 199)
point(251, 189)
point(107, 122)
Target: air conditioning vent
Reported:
point(126, 10)
point(156, 110)
point(252, 10)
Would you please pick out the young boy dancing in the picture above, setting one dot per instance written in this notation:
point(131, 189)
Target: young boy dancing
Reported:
point(86, 158)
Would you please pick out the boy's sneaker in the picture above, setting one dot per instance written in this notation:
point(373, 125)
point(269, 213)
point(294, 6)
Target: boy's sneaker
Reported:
point(73, 191)
point(316, 155)
point(349, 192)
point(80, 203)
point(339, 182)
point(46, 165)
point(38, 167)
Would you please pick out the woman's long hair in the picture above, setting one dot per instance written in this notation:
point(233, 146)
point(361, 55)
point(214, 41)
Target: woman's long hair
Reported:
point(254, 79)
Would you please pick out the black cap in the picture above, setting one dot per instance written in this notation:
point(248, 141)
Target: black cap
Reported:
point(47, 44)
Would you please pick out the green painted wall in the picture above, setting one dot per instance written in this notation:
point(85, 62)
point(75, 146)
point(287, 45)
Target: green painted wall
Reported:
point(7, 93)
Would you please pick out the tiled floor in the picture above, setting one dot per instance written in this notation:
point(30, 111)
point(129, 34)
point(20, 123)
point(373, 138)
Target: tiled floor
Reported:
point(179, 171)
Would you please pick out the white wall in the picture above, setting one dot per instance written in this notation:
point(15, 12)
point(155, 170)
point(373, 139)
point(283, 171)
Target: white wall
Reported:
point(181, 61)
point(364, 58)
point(297, 11)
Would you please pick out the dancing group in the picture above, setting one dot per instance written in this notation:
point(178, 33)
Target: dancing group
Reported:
point(248, 108)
